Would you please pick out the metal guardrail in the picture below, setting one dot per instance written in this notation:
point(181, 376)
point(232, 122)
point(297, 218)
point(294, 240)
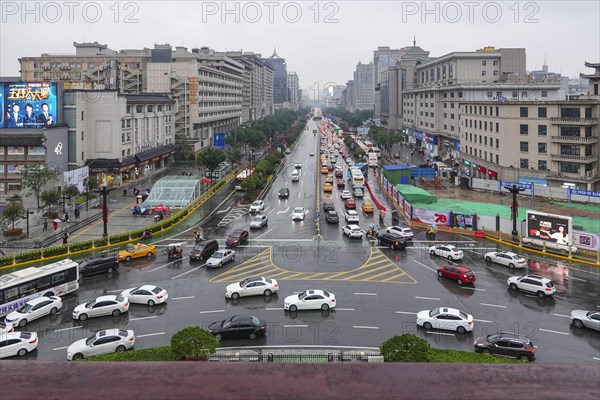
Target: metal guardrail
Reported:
point(330, 357)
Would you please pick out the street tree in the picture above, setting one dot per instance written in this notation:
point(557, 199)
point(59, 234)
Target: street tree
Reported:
point(34, 177)
point(50, 197)
point(210, 158)
point(254, 138)
point(13, 211)
point(234, 155)
point(70, 191)
point(90, 183)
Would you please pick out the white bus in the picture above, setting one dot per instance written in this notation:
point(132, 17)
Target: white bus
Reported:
point(373, 160)
point(358, 179)
point(375, 150)
point(57, 279)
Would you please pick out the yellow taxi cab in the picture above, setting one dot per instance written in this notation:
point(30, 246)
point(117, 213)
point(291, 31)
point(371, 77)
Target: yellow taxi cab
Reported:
point(367, 207)
point(329, 179)
point(328, 187)
point(137, 251)
point(324, 170)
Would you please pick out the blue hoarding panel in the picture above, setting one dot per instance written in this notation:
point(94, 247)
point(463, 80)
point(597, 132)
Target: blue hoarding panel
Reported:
point(219, 139)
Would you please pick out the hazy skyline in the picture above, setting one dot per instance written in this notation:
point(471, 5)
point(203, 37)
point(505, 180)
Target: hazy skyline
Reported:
point(321, 41)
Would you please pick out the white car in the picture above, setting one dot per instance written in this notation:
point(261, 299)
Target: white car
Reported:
point(589, 319)
point(359, 193)
point(17, 344)
point(447, 251)
point(446, 318)
point(353, 231)
point(541, 287)
point(259, 221)
point(103, 305)
point(351, 216)
point(506, 258)
point(34, 309)
point(220, 257)
point(298, 214)
point(146, 294)
point(252, 287)
point(310, 300)
point(257, 206)
point(103, 342)
point(346, 194)
point(406, 233)
point(5, 328)
point(312, 153)
point(298, 165)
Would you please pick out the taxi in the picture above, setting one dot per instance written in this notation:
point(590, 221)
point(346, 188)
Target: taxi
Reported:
point(324, 170)
point(138, 250)
point(328, 187)
point(329, 179)
point(367, 207)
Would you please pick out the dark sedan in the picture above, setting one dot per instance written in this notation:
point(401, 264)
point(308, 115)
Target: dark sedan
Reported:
point(236, 238)
point(238, 327)
point(284, 193)
point(98, 265)
point(393, 240)
point(332, 217)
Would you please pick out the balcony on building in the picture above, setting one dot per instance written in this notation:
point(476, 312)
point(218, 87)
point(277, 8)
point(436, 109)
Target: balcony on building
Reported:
point(575, 139)
point(573, 121)
point(575, 158)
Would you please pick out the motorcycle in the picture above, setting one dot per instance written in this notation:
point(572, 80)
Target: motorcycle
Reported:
point(395, 216)
point(430, 234)
point(174, 251)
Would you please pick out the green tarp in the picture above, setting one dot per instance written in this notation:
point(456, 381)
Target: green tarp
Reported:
point(413, 194)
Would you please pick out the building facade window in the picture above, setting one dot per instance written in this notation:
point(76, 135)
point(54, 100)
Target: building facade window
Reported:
point(524, 147)
point(524, 129)
point(570, 168)
point(542, 130)
point(542, 165)
point(542, 112)
point(524, 112)
point(524, 163)
point(542, 148)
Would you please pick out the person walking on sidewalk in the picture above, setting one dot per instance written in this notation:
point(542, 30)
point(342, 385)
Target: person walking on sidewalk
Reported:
point(65, 237)
point(55, 225)
point(77, 213)
point(45, 225)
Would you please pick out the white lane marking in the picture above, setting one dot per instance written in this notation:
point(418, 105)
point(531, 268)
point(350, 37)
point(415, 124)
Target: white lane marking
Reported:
point(344, 309)
point(272, 211)
point(562, 315)
point(259, 236)
point(274, 309)
point(114, 291)
point(577, 279)
point(211, 311)
point(150, 334)
point(140, 318)
point(483, 320)
point(429, 268)
point(295, 326)
point(283, 212)
point(162, 266)
point(492, 305)
point(183, 298)
point(426, 298)
point(66, 329)
point(596, 358)
point(406, 312)
point(468, 239)
point(60, 348)
point(187, 272)
point(366, 294)
point(365, 327)
point(560, 333)
point(223, 211)
point(472, 288)
point(440, 333)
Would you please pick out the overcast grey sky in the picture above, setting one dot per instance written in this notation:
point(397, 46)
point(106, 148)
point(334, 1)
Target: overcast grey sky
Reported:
point(321, 41)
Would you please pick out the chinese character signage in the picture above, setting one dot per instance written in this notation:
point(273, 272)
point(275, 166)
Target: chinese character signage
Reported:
point(28, 104)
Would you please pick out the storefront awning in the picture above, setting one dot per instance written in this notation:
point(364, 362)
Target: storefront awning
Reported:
point(158, 152)
point(493, 174)
point(481, 169)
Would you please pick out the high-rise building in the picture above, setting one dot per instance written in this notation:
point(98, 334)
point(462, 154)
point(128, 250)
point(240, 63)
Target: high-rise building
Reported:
point(383, 58)
point(348, 96)
point(363, 86)
point(280, 87)
point(293, 87)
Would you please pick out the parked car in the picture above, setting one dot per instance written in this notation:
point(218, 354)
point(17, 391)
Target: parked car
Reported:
point(446, 318)
point(310, 300)
point(507, 345)
point(541, 287)
point(395, 241)
point(506, 258)
point(146, 294)
point(589, 319)
point(5, 328)
point(353, 231)
point(203, 250)
point(458, 273)
point(328, 207)
point(34, 309)
point(350, 204)
point(299, 213)
point(332, 217)
point(259, 221)
point(238, 327)
point(448, 251)
point(368, 208)
point(237, 237)
point(257, 206)
point(345, 195)
point(101, 306)
point(98, 265)
point(18, 344)
point(138, 250)
point(284, 193)
point(220, 257)
point(351, 216)
point(252, 287)
point(404, 232)
point(106, 341)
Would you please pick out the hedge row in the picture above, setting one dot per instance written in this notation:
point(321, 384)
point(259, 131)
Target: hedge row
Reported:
point(153, 354)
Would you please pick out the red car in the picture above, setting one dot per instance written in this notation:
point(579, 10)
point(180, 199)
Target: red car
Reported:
point(339, 174)
point(341, 183)
point(236, 238)
point(457, 273)
point(330, 167)
point(350, 204)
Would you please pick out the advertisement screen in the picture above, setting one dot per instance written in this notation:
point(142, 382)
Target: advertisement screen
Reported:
point(553, 228)
point(28, 104)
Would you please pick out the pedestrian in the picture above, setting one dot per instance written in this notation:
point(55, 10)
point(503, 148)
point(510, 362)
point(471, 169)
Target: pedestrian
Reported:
point(77, 213)
point(55, 225)
point(65, 237)
point(66, 217)
point(45, 225)
point(124, 192)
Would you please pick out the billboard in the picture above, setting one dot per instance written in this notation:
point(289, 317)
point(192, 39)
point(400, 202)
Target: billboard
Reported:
point(553, 228)
point(76, 177)
point(28, 104)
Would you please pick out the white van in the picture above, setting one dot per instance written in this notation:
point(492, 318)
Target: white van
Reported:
point(295, 175)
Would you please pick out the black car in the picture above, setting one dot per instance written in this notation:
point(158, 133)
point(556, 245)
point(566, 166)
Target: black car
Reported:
point(332, 217)
point(328, 207)
point(507, 345)
point(238, 327)
point(284, 192)
point(395, 241)
point(98, 265)
point(204, 250)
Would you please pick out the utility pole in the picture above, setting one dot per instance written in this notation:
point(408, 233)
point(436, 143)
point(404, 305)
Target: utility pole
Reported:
point(514, 190)
point(104, 191)
point(27, 214)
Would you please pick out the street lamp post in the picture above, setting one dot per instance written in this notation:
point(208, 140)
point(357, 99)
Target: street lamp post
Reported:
point(104, 191)
point(27, 214)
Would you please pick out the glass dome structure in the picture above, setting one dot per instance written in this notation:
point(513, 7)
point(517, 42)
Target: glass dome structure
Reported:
point(174, 192)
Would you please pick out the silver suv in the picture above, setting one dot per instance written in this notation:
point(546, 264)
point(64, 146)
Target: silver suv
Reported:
point(538, 285)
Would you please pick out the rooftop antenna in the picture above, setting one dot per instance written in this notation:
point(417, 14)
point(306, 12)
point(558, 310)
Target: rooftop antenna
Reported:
point(414, 41)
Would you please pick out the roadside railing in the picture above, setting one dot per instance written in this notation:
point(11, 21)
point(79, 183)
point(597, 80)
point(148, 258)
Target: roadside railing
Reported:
point(298, 358)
